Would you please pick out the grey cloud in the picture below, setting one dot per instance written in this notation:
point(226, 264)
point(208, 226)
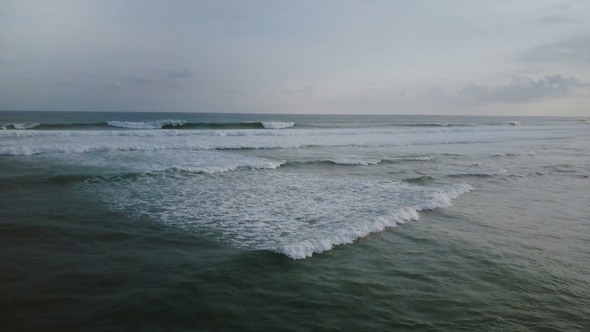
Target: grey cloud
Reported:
point(153, 81)
point(437, 93)
point(554, 20)
point(185, 73)
point(308, 91)
point(551, 86)
point(476, 91)
point(234, 91)
point(173, 79)
point(576, 49)
point(115, 85)
point(141, 81)
point(7, 62)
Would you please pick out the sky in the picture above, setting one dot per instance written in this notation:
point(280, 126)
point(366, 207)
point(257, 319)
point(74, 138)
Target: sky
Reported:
point(501, 57)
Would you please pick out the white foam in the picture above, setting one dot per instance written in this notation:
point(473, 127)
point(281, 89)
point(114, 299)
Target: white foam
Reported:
point(147, 125)
point(294, 214)
point(132, 146)
point(208, 162)
point(416, 158)
point(277, 125)
point(489, 172)
point(355, 160)
point(20, 126)
point(23, 142)
point(514, 123)
point(426, 135)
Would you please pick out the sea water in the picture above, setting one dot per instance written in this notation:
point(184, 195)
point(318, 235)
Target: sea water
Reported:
point(178, 221)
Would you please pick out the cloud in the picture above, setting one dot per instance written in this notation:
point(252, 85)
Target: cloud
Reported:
point(7, 62)
point(437, 94)
point(521, 91)
point(115, 85)
point(175, 78)
point(305, 91)
point(141, 81)
point(234, 92)
point(185, 73)
point(555, 20)
point(319, 56)
point(575, 49)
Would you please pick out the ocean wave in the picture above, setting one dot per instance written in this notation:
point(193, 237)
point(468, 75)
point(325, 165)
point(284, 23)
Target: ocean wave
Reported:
point(434, 124)
point(338, 161)
point(306, 248)
point(294, 214)
point(419, 179)
point(410, 158)
point(147, 125)
point(277, 125)
point(156, 164)
point(158, 124)
point(27, 142)
point(193, 121)
point(366, 161)
point(19, 126)
point(439, 198)
point(354, 160)
point(479, 173)
point(225, 130)
point(524, 175)
point(51, 149)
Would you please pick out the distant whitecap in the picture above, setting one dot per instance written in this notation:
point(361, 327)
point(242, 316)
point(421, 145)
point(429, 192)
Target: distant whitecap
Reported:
point(277, 125)
point(147, 125)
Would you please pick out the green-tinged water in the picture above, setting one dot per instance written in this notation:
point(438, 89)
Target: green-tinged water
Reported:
point(171, 236)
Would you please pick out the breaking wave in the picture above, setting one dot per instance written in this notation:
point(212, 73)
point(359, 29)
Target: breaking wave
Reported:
point(147, 125)
point(277, 125)
point(154, 163)
point(293, 214)
point(34, 150)
point(351, 160)
point(158, 124)
point(19, 126)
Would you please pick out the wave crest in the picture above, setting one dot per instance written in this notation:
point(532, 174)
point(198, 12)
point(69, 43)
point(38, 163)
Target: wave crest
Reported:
point(277, 125)
point(19, 126)
point(159, 124)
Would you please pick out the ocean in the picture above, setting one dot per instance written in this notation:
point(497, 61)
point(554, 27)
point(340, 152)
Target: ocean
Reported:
point(251, 222)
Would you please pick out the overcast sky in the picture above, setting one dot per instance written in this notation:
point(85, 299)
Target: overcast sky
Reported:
point(529, 57)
